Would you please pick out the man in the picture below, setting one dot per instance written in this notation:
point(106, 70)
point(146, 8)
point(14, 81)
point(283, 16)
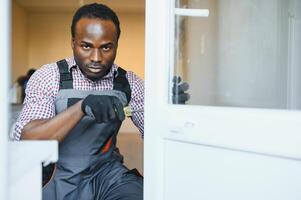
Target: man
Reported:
point(79, 101)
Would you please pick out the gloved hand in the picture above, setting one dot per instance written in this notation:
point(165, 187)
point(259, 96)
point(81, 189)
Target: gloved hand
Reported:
point(179, 95)
point(103, 108)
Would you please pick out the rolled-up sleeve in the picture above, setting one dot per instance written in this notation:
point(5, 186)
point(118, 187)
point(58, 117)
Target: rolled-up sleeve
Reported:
point(41, 92)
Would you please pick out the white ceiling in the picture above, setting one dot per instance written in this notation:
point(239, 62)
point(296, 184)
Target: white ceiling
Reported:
point(71, 5)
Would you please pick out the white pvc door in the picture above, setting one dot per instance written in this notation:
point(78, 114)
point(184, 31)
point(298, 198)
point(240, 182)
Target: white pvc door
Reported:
point(4, 80)
point(239, 135)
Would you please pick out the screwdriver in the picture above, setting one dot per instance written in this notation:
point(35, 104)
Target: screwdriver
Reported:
point(128, 111)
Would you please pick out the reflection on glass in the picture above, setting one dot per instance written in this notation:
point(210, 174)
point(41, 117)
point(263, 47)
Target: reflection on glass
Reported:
point(192, 4)
point(244, 54)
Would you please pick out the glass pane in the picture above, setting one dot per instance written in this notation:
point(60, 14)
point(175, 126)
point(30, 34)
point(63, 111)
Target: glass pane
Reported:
point(193, 4)
point(244, 54)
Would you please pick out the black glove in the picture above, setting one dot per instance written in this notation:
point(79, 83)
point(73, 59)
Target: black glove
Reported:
point(179, 95)
point(103, 108)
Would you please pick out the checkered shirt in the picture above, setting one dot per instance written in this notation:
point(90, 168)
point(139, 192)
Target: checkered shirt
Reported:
point(43, 87)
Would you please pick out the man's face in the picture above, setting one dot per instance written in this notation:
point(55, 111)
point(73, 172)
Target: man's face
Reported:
point(94, 46)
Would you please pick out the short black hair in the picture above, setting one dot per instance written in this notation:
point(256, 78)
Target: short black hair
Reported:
point(95, 11)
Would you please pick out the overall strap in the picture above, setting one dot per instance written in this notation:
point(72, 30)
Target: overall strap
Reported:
point(121, 83)
point(66, 81)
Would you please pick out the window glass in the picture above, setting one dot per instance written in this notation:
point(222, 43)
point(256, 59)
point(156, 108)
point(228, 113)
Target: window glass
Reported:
point(243, 54)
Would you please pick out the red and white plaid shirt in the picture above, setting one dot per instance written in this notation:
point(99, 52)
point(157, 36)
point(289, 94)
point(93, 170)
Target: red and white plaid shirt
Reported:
point(43, 86)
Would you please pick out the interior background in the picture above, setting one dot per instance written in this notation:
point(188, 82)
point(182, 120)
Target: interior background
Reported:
point(41, 35)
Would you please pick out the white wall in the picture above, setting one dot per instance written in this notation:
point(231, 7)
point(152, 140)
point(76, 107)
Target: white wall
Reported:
point(4, 81)
point(294, 99)
point(252, 57)
point(244, 54)
point(201, 47)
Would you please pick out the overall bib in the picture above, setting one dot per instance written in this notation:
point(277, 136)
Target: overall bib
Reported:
point(88, 166)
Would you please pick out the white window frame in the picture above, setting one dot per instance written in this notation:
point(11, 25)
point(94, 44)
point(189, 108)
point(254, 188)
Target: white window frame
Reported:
point(5, 11)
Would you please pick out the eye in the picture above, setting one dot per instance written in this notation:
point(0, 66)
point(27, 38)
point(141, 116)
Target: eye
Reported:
point(106, 48)
point(86, 46)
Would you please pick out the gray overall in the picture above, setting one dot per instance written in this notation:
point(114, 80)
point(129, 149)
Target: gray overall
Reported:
point(84, 171)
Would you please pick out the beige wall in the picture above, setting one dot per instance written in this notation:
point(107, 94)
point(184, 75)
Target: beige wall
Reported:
point(49, 40)
point(131, 45)
point(39, 38)
point(19, 42)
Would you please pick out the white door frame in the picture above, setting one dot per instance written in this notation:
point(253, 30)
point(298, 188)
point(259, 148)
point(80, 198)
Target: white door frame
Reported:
point(5, 11)
point(156, 98)
point(269, 132)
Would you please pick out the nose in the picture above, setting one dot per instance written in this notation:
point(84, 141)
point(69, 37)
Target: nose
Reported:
point(96, 55)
